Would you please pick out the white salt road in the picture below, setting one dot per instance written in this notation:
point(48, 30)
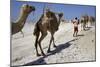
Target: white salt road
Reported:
point(69, 48)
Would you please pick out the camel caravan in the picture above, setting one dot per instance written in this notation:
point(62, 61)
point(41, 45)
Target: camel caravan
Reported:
point(49, 21)
point(86, 21)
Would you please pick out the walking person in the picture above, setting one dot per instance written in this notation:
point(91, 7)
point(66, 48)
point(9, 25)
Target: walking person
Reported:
point(75, 23)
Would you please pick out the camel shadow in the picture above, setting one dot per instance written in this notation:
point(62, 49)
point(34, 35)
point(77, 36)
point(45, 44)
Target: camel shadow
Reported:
point(58, 49)
point(80, 35)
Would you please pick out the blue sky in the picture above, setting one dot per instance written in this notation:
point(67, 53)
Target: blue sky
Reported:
point(70, 11)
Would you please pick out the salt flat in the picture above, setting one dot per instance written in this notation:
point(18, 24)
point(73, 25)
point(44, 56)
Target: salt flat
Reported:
point(69, 48)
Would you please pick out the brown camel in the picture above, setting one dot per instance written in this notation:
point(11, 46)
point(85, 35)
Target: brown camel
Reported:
point(47, 22)
point(84, 21)
point(92, 19)
point(25, 11)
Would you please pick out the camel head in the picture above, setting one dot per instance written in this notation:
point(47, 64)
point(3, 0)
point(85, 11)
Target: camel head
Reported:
point(27, 8)
point(60, 15)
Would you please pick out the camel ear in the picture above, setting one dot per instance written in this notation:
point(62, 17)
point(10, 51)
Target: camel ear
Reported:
point(24, 5)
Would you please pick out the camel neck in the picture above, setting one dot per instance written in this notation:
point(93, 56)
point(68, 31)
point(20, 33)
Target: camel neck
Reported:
point(59, 19)
point(22, 18)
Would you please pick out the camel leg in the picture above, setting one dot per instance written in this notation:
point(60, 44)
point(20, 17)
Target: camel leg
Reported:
point(50, 44)
point(81, 26)
point(87, 24)
point(22, 33)
point(36, 44)
point(52, 39)
point(84, 26)
point(41, 38)
point(54, 42)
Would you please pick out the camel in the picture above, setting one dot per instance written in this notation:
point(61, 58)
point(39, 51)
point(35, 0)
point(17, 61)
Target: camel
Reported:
point(25, 11)
point(47, 22)
point(92, 19)
point(84, 21)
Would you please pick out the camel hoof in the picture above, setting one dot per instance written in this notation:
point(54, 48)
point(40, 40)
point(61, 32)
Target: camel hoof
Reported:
point(43, 54)
point(48, 51)
point(55, 46)
point(38, 54)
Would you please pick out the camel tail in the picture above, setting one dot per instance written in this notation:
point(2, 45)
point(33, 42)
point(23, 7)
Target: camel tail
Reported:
point(36, 30)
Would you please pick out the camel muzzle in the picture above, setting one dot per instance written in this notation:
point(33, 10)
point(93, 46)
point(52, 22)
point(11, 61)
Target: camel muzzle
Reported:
point(33, 8)
point(60, 15)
